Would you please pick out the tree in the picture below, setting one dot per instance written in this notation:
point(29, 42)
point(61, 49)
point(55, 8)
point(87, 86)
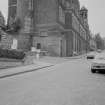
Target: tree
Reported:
point(99, 41)
point(15, 26)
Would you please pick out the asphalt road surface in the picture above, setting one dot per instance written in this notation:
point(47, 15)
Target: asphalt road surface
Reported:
point(69, 83)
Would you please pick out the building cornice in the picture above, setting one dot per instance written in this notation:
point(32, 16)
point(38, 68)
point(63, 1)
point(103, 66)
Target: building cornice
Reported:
point(12, 5)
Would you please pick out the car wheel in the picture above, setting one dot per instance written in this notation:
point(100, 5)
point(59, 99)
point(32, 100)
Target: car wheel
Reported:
point(93, 70)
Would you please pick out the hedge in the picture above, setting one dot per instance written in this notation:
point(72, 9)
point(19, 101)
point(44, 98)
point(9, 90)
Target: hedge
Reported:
point(12, 54)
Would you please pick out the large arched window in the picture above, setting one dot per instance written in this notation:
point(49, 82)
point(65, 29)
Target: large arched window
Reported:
point(61, 15)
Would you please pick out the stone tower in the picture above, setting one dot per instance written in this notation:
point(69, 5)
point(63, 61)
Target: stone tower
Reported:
point(12, 10)
point(38, 17)
point(84, 13)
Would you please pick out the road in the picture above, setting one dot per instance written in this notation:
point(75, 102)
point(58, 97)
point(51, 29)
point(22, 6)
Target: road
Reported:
point(69, 83)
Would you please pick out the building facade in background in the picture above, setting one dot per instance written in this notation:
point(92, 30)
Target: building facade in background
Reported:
point(57, 26)
point(93, 46)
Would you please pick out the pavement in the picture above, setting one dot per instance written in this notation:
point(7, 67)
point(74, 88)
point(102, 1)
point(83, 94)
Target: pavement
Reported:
point(15, 68)
point(23, 69)
point(9, 63)
point(5, 65)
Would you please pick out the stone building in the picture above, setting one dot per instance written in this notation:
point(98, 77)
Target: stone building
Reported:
point(12, 8)
point(57, 26)
point(3, 35)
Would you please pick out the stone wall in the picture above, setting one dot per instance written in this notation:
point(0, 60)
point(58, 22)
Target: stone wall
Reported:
point(52, 44)
point(46, 11)
point(24, 42)
point(22, 11)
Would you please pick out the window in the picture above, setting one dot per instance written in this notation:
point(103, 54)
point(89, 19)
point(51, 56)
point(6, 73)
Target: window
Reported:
point(38, 46)
point(61, 15)
point(12, 2)
point(0, 37)
point(75, 23)
point(67, 4)
point(63, 2)
point(72, 1)
point(30, 5)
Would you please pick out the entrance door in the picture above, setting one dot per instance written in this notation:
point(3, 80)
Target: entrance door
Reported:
point(38, 45)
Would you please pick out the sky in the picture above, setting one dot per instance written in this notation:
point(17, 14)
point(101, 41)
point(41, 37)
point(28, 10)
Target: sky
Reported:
point(96, 14)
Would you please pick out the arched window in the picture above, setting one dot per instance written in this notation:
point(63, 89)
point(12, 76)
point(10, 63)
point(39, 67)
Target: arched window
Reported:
point(61, 15)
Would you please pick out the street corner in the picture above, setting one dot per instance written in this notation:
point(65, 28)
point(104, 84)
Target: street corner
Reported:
point(23, 69)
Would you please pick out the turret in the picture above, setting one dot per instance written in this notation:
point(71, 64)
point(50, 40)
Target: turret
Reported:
point(84, 13)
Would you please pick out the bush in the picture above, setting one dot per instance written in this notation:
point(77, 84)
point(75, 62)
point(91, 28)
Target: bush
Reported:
point(13, 54)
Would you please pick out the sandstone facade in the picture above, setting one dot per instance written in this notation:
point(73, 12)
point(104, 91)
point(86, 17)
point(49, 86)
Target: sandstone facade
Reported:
point(59, 26)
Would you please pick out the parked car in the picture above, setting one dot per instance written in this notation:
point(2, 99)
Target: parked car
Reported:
point(99, 50)
point(75, 53)
point(98, 64)
point(91, 55)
